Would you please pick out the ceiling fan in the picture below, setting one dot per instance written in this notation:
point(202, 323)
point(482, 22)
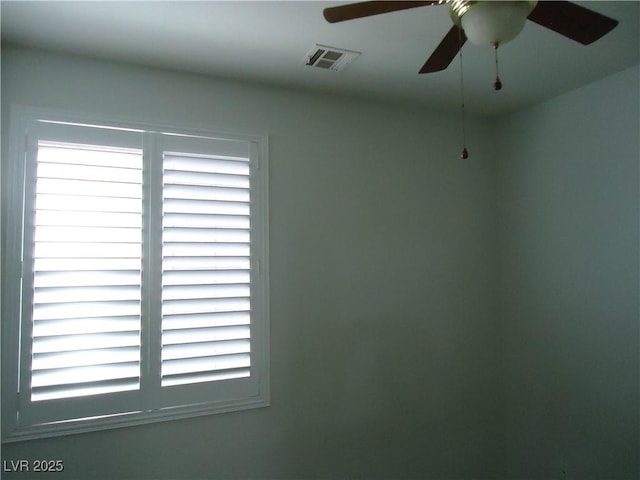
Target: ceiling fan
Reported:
point(488, 22)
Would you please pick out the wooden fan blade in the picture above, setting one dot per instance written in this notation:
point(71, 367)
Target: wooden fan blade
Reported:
point(446, 51)
point(572, 21)
point(367, 9)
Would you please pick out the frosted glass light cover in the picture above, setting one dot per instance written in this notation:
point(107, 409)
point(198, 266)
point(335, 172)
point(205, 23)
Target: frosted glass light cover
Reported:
point(494, 22)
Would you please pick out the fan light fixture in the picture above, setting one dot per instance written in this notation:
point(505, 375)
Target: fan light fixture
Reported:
point(491, 22)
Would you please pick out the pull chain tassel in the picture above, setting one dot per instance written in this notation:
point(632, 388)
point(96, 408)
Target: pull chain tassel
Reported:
point(497, 85)
point(465, 153)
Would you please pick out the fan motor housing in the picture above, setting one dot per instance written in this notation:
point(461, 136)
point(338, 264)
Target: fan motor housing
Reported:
point(460, 7)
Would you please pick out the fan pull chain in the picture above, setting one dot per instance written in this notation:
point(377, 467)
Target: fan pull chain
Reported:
point(497, 85)
point(464, 153)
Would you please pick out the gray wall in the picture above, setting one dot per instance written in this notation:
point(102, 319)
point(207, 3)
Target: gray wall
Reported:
point(384, 333)
point(568, 190)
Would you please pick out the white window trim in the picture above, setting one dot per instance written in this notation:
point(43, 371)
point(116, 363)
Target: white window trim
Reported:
point(13, 183)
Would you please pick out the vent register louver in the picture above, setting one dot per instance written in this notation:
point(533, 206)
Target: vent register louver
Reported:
point(329, 58)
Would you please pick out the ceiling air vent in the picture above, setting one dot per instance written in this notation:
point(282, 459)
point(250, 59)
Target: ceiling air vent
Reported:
point(329, 58)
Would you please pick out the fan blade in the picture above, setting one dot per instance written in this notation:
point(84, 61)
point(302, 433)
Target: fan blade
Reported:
point(572, 21)
point(368, 9)
point(446, 51)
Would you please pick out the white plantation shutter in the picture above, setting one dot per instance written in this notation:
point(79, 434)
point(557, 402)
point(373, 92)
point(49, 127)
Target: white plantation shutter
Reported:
point(144, 279)
point(82, 273)
point(87, 265)
point(206, 273)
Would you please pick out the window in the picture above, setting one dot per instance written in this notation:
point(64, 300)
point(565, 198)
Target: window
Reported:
point(135, 282)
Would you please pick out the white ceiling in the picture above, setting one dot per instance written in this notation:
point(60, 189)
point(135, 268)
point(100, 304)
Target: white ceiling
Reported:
point(266, 41)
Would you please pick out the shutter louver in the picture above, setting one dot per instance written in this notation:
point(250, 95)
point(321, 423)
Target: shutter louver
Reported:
point(87, 264)
point(206, 279)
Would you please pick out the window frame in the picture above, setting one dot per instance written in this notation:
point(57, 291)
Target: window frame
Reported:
point(15, 170)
